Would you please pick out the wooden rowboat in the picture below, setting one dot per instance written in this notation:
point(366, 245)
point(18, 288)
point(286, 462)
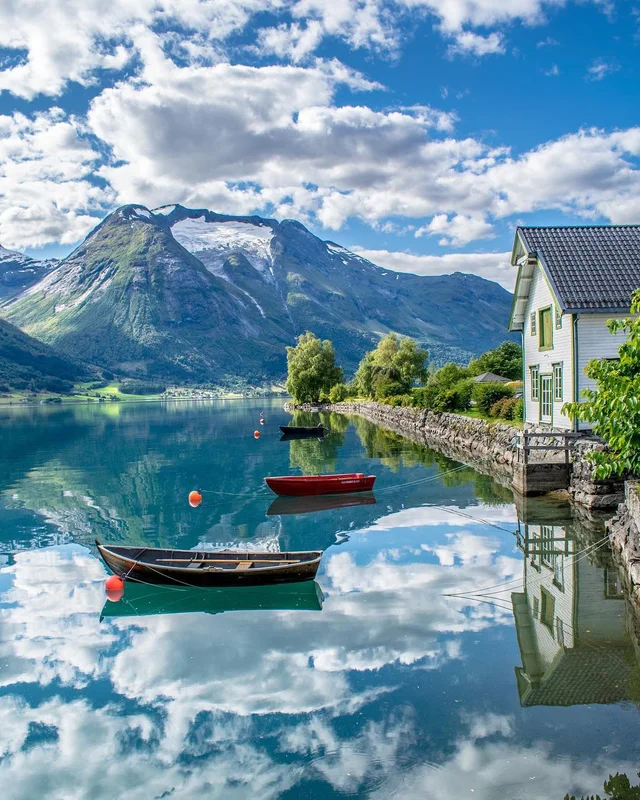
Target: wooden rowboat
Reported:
point(303, 432)
point(304, 485)
point(141, 600)
point(204, 568)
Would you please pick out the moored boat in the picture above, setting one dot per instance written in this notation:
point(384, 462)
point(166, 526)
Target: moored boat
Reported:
point(206, 568)
point(303, 431)
point(307, 485)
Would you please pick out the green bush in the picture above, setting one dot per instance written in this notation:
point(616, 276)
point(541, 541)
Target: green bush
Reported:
point(338, 393)
point(486, 394)
point(398, 400)
point(517, 410)
point(442, 397)
point(507, 408)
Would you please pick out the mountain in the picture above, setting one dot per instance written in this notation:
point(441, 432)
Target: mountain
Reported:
point(191, 295)
point(18, 272)
point(26, 363)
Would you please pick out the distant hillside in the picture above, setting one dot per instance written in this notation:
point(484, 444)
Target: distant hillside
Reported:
point(26, 363)
point(190, 296)
point(18, 272)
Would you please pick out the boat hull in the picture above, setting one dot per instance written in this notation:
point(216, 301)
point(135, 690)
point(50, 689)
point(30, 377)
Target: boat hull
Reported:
point(299, 432)
point(126, 561)
point(311, 485)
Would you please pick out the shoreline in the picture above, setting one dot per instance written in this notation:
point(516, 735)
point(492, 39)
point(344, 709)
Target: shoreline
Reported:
point(96, 402)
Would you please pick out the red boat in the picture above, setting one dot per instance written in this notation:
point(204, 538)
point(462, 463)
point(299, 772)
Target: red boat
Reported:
point(305, 485)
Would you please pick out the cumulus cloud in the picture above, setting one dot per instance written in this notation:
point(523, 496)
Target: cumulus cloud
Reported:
point(468, 43)
point(600, 69)
point(457, 230)
point(492, 266)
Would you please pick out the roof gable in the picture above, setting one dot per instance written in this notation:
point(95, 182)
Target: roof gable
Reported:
point(589, 268)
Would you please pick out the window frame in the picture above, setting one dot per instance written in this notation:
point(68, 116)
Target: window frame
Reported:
point(535, 383)
point(541, 312)
point(558, 318)
point(547, 604)
point(558, 366)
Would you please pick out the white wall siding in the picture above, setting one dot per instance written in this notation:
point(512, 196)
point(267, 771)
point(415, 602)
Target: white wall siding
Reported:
point(595, 341)
point(540, 296)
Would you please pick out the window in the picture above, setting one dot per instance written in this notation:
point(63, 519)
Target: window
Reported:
point(546, 545)
point(560, 631)
point(557, 382)
point(533, 323)
point(558, 318)
point(535, 374)
point(612, 584)
point(546, 329)
point(547, 609)
point(558, 571)
point(546, 399)
point(536, 608)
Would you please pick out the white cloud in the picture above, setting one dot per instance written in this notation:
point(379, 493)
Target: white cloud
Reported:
point(458, 230)
point(492, 266)
point(44, 191)
point(468, 43)
point(553, 71)
point(600, 69)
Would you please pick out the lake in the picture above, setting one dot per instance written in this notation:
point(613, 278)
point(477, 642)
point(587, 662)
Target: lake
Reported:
point(455, 645)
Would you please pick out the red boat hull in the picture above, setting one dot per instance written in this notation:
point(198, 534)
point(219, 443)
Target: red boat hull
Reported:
point(308, 485)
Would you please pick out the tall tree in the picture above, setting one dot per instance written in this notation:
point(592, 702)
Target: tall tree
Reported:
point(392, 368)
point(613, 407)
point(505, 360)
point(312, 370)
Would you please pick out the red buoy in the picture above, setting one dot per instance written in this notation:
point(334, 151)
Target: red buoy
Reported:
point(195, 498)
point(256, 434)
point(115, 588)
point(115, 595)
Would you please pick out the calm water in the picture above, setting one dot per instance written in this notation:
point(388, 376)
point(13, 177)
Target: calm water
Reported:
point(374, 684)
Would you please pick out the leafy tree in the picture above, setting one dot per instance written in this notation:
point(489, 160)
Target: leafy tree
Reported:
point(505, 360)
point(392, 368)
point(613, 407)
point(312, 369)
point(338, 393)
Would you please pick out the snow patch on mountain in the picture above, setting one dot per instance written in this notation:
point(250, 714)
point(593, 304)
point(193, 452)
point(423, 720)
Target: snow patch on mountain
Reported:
point(214, 242)
point(164, 210)
point(12, 255)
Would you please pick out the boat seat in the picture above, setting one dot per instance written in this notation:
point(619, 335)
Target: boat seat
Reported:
point(194, 565)
point(244, 564)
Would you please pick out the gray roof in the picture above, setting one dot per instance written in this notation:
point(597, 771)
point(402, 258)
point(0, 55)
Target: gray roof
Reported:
point(594, 267)
point(490, 377)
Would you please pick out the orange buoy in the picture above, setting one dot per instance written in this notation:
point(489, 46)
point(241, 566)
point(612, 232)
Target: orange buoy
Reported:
point(115, 595)
point(256, 434)
point(195, 498)
point(114, 583)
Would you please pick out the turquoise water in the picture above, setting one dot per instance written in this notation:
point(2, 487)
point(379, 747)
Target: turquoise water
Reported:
point(373, 683)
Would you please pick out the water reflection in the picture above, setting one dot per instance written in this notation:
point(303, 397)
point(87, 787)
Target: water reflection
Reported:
point(143, 600)
point(308, 505)
point(570, 616)
point(395, 689)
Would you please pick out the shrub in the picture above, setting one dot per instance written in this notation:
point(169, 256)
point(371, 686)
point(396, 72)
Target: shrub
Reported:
point(518, 410)
point(338, 393)
point(398, 400)
point(507, 408)
point(486, 394)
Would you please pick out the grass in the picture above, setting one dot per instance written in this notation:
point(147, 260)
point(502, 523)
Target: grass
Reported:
point(475, 414)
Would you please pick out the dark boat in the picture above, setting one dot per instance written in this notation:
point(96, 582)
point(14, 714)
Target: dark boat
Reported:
point(141, 600)
point(304, 485)
point(323, 502)
point(202, 568)
point(303, 432)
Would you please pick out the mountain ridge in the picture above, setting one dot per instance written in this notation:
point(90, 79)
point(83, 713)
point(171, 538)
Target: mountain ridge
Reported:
point(194, 295)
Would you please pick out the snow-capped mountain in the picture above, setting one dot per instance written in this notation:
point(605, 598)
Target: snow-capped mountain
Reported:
point(19, 271)
point(190, 294)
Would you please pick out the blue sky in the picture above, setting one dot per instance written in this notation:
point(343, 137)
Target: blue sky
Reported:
point(419, 132)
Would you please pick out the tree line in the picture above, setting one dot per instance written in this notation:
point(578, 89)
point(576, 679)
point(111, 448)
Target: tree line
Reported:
point(396, 372)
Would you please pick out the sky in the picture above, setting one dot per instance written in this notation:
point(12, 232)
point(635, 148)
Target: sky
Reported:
point(418, 133)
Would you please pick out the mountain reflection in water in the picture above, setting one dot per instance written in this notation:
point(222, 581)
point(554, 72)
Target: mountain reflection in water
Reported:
point(524, 684)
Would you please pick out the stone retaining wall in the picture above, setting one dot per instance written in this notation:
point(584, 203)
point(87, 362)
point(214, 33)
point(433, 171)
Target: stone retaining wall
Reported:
point(490, 447)
point(624, 534)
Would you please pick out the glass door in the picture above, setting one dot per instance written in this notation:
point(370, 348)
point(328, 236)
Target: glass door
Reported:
point(546, 398)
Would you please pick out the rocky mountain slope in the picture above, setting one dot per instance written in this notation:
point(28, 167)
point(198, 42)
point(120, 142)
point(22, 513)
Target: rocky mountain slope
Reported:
point(191, 295)
point(18, 272)
point(26, 363)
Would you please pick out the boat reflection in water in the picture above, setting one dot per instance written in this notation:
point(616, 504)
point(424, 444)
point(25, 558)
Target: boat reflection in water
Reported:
point(571, 616)
point(305, 505)
point(141, 599)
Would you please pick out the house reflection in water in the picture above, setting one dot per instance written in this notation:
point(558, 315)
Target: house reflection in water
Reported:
point(570, 618)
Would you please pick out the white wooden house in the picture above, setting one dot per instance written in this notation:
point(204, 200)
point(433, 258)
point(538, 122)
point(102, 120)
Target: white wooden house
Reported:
point(570, 281)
